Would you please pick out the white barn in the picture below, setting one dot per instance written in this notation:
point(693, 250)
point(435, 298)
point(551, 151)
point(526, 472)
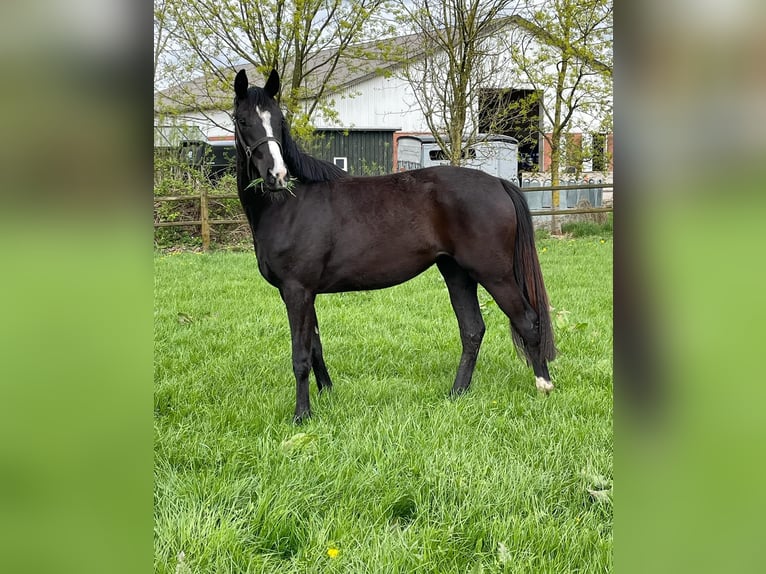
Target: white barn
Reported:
point(374, 106)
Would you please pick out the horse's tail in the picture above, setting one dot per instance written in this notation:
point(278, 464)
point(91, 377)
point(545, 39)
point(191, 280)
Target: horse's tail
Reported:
point(526, 270)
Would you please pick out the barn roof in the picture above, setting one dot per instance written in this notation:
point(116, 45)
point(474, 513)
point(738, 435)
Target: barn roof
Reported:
point(367, 60)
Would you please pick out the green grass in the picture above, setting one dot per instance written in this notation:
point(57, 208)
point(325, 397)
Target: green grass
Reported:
point(390, 472)
point(586, 228)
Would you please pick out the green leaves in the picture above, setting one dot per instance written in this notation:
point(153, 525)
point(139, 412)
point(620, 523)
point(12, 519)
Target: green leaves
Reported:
point(184, 319)
point(301, 442)
point(562, 322)
point(289, 185)
point(304, 40)
point(598, 486)
point(257, 181)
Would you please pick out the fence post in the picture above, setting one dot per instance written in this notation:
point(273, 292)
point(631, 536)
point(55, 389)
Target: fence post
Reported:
point(204, 216)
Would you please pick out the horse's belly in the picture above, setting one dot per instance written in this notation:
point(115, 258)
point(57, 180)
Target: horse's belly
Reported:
point(371, 272)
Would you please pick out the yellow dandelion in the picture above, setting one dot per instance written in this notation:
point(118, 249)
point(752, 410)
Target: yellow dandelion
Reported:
point(602, 241)
point(333, 552)
point(545, 249)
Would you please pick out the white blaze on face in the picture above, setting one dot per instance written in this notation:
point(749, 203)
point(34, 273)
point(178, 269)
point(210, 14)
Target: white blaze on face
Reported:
point(279, 170)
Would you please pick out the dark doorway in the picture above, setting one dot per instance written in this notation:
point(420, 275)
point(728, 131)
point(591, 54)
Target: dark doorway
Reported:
point(516, 113)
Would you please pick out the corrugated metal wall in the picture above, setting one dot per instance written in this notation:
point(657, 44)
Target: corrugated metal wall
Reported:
point(377, 103)
point(367, 152)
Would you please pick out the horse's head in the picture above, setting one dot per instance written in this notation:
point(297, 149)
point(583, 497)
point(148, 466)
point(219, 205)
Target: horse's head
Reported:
point(258, 130)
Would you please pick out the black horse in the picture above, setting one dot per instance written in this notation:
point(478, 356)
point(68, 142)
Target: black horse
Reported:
point(316, 230)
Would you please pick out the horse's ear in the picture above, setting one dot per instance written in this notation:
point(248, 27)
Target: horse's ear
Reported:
point(240, 85)
point(272, 84)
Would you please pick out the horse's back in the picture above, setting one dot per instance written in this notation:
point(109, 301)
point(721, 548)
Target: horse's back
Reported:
point(445, 177)
point(444, 201)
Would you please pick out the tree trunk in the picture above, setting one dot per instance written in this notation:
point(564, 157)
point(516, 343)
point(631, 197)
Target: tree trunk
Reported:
point(457, 123)
point(555, 165)
point(556, 144)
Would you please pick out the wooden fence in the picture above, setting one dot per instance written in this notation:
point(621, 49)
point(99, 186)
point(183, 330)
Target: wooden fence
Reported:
point(205, 222)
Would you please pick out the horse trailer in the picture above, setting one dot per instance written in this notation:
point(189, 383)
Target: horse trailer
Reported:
point(493, 154)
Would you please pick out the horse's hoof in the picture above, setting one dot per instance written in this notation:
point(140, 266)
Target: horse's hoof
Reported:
point(543, 385)
point(301, 417)
point(326, 388)
point(457, 391)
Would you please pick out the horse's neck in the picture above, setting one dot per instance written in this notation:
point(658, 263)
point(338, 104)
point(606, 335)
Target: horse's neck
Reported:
point(261, 205)
point(253, 201)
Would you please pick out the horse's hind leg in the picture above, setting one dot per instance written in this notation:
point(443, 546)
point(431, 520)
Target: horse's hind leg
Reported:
point(525, 327)
point(462, 293)
point(317, 360)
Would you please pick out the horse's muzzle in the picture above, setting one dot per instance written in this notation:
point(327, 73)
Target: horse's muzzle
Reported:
point(276, 180)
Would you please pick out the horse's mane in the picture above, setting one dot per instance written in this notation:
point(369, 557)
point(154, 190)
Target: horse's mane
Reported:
point(306, 168)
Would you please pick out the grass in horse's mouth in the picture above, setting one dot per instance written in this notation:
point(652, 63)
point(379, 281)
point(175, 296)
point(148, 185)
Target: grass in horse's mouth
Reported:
point(289, 185)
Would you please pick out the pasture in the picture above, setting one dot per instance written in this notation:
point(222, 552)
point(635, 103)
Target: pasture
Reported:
point(390, 474)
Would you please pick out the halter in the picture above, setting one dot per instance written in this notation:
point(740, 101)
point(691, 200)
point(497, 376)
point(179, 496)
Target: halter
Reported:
point(249, 149)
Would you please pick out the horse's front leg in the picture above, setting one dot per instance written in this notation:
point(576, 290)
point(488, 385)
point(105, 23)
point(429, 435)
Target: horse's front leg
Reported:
point(300, 313)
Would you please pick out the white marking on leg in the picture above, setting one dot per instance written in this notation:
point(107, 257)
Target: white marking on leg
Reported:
point(543, 385)
point(279, 170)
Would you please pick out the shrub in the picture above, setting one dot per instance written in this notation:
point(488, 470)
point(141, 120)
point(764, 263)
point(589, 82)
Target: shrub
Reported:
point(175, 177)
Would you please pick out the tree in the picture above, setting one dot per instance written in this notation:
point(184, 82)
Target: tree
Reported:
point(456, 57)
point(303, 39)
point(563, 49)
point(163, 28)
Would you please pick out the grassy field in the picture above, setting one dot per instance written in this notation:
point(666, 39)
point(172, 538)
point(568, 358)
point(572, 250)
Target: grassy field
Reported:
point(390, 475)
